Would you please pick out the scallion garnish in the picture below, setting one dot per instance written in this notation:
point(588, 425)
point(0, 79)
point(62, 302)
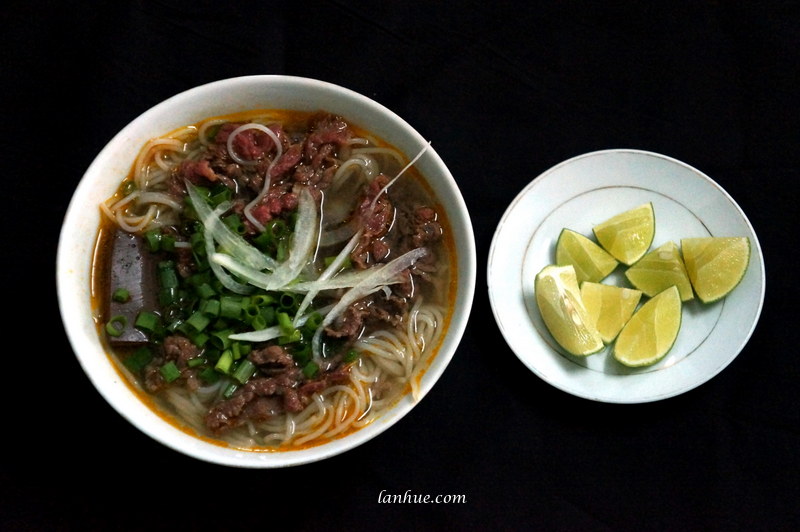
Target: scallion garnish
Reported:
point(244, 371)
point(137, 360)
point(121, 295)
point(225, 361)
point(170, 371)
point(148, 321)
point(310, 370)
point(116, 325)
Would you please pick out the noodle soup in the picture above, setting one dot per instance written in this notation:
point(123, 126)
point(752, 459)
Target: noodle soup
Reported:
point(271, 280)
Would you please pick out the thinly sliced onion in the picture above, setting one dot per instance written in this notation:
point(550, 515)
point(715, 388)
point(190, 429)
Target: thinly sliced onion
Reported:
point(270, 333)
point(300, 252)
point(230, 241)
point(304, 239)
point(247, 273)
point(227, 281)
point(342, 195)
point(332, 268)
point(343, 280)
point(377, 278)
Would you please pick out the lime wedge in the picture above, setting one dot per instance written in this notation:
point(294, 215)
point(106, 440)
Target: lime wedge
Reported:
point(660, 269)
point(609, 307)
point(561, 307)
point(715, 265)
point(591, 262)
point(628, 235)
point(651, 332)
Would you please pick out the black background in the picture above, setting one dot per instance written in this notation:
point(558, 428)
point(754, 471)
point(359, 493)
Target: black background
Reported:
point(504, 91)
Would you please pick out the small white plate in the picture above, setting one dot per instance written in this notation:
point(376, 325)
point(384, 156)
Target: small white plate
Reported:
point(582, 192)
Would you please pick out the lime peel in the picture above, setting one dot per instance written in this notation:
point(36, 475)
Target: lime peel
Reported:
point(652, 330)
point(563, 312)
point(715, 265)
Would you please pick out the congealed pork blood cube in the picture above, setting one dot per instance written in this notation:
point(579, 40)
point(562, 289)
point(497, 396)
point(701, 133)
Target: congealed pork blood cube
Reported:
point(133, 268)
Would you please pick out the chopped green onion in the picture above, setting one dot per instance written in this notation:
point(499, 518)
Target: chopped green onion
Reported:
point(137, 360)
point(288, 301)
point(167, 296)
point(262, 300)
point(251, 310)
point(279, 229)
point(148, 321)
point(268, 314)
point(220, 340)
point(210, 307)
point(196, 361)
point(313, 322)
point(234, 223)
point(240, 349)
point(282, 252)
point(285, 323)
point(225, 361)
point(170, 371)
point(116, 325)
point(209, 375)
point(198, 244)
point(198, 321)
point(229, 390)
point(153, 239)
point(167, 276)
point(206, 291)
point(199, 339)
point(244, 371)
point(351, 356)
point(230, 307)
point(220, 195)
point(258, 323)
point(310, 370)
point(168, 242)
point(294, 336)
point(302, 356)
point(121, 295)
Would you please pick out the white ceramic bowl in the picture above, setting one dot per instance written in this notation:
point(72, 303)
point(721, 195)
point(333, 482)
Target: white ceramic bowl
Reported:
point(218, 98)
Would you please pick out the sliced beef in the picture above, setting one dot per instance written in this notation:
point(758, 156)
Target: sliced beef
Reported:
point(267, 396)
point(377, 309)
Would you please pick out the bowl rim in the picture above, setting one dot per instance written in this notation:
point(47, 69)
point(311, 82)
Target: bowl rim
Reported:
point(71, 261)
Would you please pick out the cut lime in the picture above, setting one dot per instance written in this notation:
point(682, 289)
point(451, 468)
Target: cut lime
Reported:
point(609, 307)
point(562, 310)
point(591, 262)
point(651, 332)
point(715, 265)
point(628, 235)
point(658, 270)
